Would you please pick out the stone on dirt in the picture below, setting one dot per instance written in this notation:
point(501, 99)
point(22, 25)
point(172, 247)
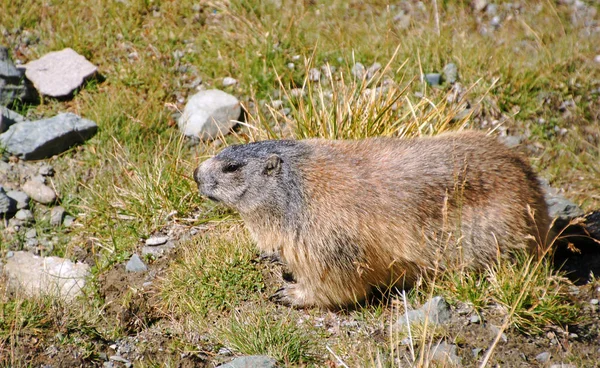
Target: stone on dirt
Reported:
point(436, 310)
point(251, 361)
point(8, 118)
point(35, 140)
point(7, 204)
point(59, 73)
point(37, 276)
point(20, 197)
point(39, 192)
point(209, 114)
point(13, 85)
point(135, 264)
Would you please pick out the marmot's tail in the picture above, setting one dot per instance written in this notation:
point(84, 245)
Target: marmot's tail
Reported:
point(578, 248)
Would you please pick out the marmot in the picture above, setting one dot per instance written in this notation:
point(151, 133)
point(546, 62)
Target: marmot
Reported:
point(350, 216)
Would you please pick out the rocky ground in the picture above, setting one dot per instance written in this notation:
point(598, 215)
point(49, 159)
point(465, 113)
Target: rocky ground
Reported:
point(60, 248)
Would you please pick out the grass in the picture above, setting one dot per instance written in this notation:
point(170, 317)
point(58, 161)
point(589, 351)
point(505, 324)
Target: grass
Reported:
point(133, 179)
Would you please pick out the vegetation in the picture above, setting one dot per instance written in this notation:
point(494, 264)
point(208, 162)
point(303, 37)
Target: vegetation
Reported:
point(534, 75)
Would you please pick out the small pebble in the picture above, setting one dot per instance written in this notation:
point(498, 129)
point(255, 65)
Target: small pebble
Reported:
point(57, 215)
point(228, 81)
point(475, 319)
point(314, 75)
point(39, 192)
point(24, 215)
point(594, 301)
point(135, 264)
point(31, 234)
point(157, 240)
point(543, 357)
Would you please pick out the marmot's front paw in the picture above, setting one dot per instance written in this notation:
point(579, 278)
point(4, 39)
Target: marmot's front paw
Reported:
point(291, 295)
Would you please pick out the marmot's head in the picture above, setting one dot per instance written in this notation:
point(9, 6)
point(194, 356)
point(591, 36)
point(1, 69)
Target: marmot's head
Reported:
point(250, 176)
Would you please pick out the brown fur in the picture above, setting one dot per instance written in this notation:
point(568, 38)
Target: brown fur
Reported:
point(378, 211)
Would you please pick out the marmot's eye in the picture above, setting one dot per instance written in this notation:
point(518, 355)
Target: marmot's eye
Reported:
point(231, 167)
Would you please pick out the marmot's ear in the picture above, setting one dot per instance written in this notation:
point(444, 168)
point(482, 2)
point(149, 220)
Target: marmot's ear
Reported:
point(272, 165)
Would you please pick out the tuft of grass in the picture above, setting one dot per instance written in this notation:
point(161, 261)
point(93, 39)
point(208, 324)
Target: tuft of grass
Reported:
point(262, 333)
point(215, 272)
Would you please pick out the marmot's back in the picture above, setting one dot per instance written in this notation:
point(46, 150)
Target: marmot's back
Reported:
point(349, 215)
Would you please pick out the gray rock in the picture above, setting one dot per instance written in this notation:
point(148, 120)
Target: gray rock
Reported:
point(24, 215)
point(450, 73)
point(436, 310)
point(476, 352)
point(228, 81)
point(57, 214)
point(543, 357)
point(135, 264)
point(157, 240)
point(479, 5)
point(59, 73)
point(475, 319)
point(251, 361)
point(68, 221)
point(372, 70)
point(13, 85)
point(594, 301)
point(36, 276)
point(563, 365)
point(496, 330)
point(511, 141)
point(559, 206)
point(358, 71)
point(7, 204)
point(8, 118)
point(35, 140)
point(21, 198)
point(433, 79)
point(39, 192)
point(208, 114)
point(46, 170)
point(314, 75)
point(31, 234)
point(445, 354)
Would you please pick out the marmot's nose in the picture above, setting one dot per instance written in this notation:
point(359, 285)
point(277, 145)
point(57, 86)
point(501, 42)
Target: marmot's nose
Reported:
point(196, 178)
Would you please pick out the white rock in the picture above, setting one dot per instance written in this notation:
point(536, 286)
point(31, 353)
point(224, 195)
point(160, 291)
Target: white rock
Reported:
point(36, 276)
point(228, 81)
point(39, 192)
point(209, 113)
point(59, 73)
point(157, 240)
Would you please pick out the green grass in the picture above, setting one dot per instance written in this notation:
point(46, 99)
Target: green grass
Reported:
point(134, 177)
point(215, 273)
point(260, 333)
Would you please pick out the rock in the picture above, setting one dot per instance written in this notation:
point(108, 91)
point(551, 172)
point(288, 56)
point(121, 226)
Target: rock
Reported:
point(496, 330)
point(437, 311)
point(558, 206)
point(476, 352)
point(450, 73)
point(511, 141)
point(24, 215)
point(479, 5)
point(21, 198)
point(475, 319)
point(57, 215)
point(543, 357)
point(208, 114)
point(563, 365)
point(46, 170)
point(594, 301)
point(35, 140)
point(433, 79)
point(314, 75)
point(8, 118)
point(445, 354)
point(228, 81)
point(358, 71)
point(157, 240)
point(372, 70)
point(251, 361)
point(31, 234)
point(13, 85)
point(68, 221)
point(135, 264)
point(39, 192)
point(7, 204)
point(597, 58)
point(36, 276)
point(59, 73)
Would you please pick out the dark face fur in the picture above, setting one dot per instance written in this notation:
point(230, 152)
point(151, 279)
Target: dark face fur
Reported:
point(247, 177)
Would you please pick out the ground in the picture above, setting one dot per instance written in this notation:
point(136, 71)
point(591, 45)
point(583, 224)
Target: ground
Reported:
point(527, 70)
